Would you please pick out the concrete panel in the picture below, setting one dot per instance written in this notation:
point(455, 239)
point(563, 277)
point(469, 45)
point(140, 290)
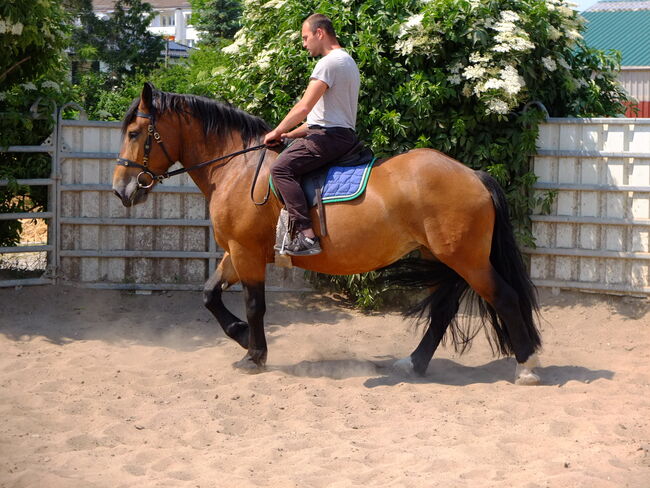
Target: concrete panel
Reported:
point(589, 236)
point(614, 238)
point(567, 170)
point(565, 236)
point(566, 203)
point(589, 204)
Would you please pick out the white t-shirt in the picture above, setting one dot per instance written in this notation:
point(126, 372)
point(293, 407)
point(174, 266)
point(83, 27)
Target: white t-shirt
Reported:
point(338, 106)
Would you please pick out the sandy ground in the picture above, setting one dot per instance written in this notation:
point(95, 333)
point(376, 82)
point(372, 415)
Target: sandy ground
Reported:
point(110, 389)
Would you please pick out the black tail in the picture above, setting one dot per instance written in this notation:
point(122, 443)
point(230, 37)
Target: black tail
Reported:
point(440, 309)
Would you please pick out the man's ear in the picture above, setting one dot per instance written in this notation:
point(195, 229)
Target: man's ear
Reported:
point(146, 96)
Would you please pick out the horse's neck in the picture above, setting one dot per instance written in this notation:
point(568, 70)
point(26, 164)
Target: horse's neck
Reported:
point(221, 176)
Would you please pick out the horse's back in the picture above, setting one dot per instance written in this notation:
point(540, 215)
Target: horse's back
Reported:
point(421, 198)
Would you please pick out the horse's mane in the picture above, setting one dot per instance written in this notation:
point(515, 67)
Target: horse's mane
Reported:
point(217, 118)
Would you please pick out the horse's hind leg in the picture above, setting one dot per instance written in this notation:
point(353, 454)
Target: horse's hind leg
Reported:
point(223, 277)
point(514, 336)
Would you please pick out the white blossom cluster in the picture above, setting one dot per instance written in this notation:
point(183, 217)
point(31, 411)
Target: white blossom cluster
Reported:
point(7, 27)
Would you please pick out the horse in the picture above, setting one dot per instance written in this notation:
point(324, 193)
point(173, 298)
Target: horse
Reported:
point(419, 200)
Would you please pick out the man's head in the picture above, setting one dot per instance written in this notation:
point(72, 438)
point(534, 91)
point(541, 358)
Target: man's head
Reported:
point(318, 34)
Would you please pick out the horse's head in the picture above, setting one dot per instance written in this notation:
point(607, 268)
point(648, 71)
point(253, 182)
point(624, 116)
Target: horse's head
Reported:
point(150, 146)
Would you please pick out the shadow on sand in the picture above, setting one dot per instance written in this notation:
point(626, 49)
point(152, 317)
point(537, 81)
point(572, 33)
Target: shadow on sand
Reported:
point(441, 371)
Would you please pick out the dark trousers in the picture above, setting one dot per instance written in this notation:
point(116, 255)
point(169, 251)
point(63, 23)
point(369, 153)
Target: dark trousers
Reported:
point(318, 148)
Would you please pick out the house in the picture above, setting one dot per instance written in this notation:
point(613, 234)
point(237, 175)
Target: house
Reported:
point(172, 20)
point(624, 25)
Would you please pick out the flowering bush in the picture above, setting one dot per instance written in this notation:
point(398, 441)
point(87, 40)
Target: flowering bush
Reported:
point(454, 75)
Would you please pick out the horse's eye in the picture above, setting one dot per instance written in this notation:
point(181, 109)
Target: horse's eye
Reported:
point(133, 134)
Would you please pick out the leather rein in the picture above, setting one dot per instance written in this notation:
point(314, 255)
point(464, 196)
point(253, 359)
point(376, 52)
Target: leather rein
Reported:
point(154, 135)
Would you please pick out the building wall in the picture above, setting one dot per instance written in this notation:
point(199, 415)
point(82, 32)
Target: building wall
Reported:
point(636, 81)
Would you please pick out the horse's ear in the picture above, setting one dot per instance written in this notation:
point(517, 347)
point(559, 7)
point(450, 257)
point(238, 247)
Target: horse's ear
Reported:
point(146, 96)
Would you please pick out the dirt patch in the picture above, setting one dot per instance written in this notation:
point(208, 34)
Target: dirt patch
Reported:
point(105, 389)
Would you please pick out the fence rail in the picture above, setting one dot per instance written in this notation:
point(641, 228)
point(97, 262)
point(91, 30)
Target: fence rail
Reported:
point(597, 236)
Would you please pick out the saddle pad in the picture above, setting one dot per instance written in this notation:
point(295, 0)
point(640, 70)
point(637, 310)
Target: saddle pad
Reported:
point(339, 183)
point(344, 183)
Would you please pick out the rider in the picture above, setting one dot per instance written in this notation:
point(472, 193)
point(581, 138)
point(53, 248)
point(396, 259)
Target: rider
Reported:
point(330, 106)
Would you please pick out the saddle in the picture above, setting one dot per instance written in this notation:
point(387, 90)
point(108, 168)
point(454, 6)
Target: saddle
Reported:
point(342, 180)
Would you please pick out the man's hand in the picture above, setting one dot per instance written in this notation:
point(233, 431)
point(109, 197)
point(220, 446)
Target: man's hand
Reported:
point(274, 138)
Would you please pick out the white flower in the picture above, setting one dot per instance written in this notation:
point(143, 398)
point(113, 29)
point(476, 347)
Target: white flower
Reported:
point(553, 33)
point(3, 26)
point(3, 96)
point(549, 63)
point(493, 84)
point(274, 3)
point(454, 79)
point(504, 27)
point(467, 90)
point(263, 60)
point(404, 46)
point(497, 106)
point(479, 58)
point(573, 34)
point(456, 68)
point(566, 11)
point(512, 82)
point(562, 62)
point(232, 49)
point(509, 16)
point(17, 29)
point(29, 86)
point(412, 22)
point(50, 84)
point(472, 72)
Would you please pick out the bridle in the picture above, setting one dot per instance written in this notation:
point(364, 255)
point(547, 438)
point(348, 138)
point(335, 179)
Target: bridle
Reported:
point(154, 135)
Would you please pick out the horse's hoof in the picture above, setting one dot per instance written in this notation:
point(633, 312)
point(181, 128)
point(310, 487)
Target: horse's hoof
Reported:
point(248, 365)
point(524, 372)
point(528, 379)
point(404, 365)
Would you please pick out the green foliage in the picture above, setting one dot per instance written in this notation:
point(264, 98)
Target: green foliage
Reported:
point(454, 75)
point(122, 41)
point(32, 84)
point(216, 19)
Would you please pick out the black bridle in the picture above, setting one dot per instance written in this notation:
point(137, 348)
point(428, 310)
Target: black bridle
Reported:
point(154, 135)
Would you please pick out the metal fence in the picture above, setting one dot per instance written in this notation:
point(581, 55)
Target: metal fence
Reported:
point(164, 244)
point(597, 236)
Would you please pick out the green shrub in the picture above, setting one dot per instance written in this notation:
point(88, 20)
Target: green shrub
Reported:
point(454, 75)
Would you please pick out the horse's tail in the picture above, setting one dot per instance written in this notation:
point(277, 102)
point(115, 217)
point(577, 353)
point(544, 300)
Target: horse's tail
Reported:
point(439, 310)
point(508, 261)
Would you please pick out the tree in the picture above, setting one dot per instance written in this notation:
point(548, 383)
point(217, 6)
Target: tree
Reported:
point(32, 83)
point(459, 76)
point(122, 41)
point(216, 19)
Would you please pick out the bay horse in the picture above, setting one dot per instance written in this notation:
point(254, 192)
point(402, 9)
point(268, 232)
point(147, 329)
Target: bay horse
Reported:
point(421, 199)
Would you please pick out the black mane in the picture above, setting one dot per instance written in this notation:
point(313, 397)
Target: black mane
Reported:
point(218, 118)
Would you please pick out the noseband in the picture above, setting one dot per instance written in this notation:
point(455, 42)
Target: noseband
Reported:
point(153, 134)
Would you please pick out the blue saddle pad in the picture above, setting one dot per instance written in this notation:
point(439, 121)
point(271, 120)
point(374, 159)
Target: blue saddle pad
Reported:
point(344, 183)
point(338, 183)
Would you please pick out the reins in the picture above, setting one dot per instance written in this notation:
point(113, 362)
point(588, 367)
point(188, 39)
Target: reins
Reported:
point(153, 134)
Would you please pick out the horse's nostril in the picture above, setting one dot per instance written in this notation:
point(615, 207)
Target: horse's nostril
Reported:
point(125, 201)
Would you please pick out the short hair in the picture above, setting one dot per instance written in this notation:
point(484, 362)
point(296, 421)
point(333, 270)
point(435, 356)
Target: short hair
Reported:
point(321, 21)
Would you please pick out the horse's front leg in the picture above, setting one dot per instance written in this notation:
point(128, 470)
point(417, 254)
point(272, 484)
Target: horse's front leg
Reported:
point(222, 278)
point(255, 358)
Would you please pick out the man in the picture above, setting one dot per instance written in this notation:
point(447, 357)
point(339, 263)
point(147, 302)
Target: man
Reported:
point(330, 107)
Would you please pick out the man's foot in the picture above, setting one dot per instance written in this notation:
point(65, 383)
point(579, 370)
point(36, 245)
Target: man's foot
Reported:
point(303, 246)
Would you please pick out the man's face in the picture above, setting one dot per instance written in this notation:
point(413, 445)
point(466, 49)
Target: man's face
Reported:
point(312, 41)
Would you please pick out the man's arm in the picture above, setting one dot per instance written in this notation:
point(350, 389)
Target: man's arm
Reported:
point(297, 114)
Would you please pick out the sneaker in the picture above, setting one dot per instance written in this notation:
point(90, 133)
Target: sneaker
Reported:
point(303, 246)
